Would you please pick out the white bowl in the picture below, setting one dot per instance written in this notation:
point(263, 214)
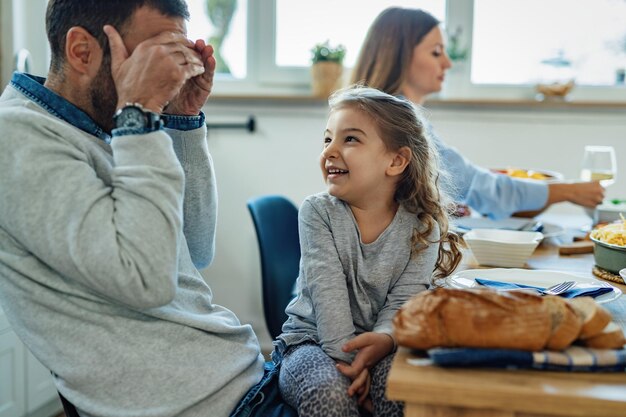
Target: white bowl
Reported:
point(608, 212)
point(504, 248)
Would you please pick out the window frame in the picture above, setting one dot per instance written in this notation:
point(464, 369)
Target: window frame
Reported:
point(270, 77)
point(463, 15)
point(265, 78)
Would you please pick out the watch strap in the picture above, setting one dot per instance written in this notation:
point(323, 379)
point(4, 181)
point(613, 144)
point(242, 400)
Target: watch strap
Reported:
point(134, 118)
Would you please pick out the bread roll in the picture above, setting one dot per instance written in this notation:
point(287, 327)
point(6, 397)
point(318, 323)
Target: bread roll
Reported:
point(566, 323)
point(611, 337)
point(481, 318)
point(595, 317)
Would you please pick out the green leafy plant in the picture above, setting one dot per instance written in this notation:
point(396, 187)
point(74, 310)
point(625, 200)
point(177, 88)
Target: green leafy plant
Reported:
point(220, 13)
point(455, 51)
point(323, 52)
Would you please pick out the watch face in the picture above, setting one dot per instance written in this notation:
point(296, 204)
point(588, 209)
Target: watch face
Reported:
point(130, 116)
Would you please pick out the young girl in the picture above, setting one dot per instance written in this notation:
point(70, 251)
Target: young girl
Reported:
point(368, 244)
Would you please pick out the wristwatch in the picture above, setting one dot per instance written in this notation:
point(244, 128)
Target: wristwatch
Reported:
point(134, 116)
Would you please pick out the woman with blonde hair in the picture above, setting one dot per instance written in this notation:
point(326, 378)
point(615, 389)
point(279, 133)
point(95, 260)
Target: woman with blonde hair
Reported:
point(404, 54)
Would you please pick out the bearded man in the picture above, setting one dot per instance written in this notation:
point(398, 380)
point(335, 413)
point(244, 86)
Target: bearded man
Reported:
point(108, 210)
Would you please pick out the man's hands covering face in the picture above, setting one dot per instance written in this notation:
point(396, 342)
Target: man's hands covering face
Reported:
point(166, 70)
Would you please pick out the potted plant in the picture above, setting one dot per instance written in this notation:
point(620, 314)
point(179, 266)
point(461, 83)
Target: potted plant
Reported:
point(221, 13)
point(326, 68)
point(455, 51)
point(458, 52)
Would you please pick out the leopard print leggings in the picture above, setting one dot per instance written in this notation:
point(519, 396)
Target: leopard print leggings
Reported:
point(310, 383)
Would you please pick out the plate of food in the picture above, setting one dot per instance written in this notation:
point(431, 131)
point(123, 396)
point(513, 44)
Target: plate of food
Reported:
point(534, 277)
point(530, 174)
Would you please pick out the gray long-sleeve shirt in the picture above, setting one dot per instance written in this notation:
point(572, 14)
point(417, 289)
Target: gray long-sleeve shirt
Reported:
point(346, 287)
point(96, 275)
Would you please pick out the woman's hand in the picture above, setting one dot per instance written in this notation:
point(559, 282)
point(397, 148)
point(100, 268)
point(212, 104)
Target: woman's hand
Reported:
point(587, 193)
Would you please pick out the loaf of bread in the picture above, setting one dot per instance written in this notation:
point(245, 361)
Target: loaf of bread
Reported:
point(473, 318)
point(485, 318)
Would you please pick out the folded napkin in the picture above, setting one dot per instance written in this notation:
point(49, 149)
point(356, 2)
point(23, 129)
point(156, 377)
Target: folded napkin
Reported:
point(586, 291)
point(574, 359)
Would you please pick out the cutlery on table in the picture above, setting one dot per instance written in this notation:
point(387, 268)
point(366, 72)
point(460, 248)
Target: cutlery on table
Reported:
point(559, 288)
point(534, 226)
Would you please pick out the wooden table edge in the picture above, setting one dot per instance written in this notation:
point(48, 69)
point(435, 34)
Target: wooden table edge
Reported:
point(511, 397)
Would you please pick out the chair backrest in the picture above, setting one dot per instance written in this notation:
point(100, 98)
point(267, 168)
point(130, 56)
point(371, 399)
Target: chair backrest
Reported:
point(276, 222)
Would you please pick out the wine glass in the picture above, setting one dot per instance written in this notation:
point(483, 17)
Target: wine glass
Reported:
point(599, 165)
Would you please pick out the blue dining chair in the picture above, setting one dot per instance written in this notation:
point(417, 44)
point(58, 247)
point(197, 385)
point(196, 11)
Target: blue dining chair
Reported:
point(276, 223)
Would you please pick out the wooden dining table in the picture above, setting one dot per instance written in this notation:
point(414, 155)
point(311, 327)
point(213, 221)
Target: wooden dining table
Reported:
point(432, 391)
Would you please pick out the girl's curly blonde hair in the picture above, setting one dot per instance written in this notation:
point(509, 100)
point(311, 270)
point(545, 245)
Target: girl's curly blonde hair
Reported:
point(400, 124)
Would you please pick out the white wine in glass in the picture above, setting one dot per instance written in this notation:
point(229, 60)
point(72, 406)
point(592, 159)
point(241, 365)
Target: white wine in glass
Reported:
point(599, 165)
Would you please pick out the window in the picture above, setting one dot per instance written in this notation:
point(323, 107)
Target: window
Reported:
point(297, 25)
point(531, 41)
point(263, 46)
point(298, 32)
point(222, 23)
point(513, 44)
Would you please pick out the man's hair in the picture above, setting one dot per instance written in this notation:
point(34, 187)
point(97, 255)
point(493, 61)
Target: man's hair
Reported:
point(92, 15)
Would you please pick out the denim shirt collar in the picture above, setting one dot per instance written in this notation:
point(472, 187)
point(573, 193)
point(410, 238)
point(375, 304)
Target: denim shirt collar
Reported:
point(32, 87)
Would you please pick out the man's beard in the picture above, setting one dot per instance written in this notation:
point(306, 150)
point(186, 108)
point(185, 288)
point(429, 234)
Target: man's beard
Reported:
point(103, 96)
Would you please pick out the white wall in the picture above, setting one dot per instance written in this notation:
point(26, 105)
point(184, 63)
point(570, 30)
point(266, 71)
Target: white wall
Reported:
point(281, 157)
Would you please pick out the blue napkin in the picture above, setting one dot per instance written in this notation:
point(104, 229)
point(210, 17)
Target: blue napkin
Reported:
point(571, 293)
point(573, 359)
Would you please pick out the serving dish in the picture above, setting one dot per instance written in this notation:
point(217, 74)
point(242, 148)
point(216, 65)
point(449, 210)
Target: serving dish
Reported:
point(529, 173)
point(555, 89)
point(507, 248)
point(538, 278)
point(609, 257)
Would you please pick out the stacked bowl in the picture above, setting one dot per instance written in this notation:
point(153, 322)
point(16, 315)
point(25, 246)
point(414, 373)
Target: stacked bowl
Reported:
point(504, 248)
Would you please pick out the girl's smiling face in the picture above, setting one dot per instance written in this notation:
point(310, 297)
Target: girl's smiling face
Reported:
point(355, 160)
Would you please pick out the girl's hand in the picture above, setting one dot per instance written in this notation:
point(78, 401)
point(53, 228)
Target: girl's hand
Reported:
point(361, 386)
point(371, 347)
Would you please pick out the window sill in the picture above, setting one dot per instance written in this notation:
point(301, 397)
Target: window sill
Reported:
point(274, 99)
point(297, 99)
point(528, 104)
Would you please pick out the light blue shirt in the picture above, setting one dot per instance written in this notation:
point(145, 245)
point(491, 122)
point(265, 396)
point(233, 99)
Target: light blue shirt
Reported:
point(494, 195)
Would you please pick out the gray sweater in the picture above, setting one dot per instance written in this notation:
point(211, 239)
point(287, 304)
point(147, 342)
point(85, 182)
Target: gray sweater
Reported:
point(96, 275)
point(346, 287)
